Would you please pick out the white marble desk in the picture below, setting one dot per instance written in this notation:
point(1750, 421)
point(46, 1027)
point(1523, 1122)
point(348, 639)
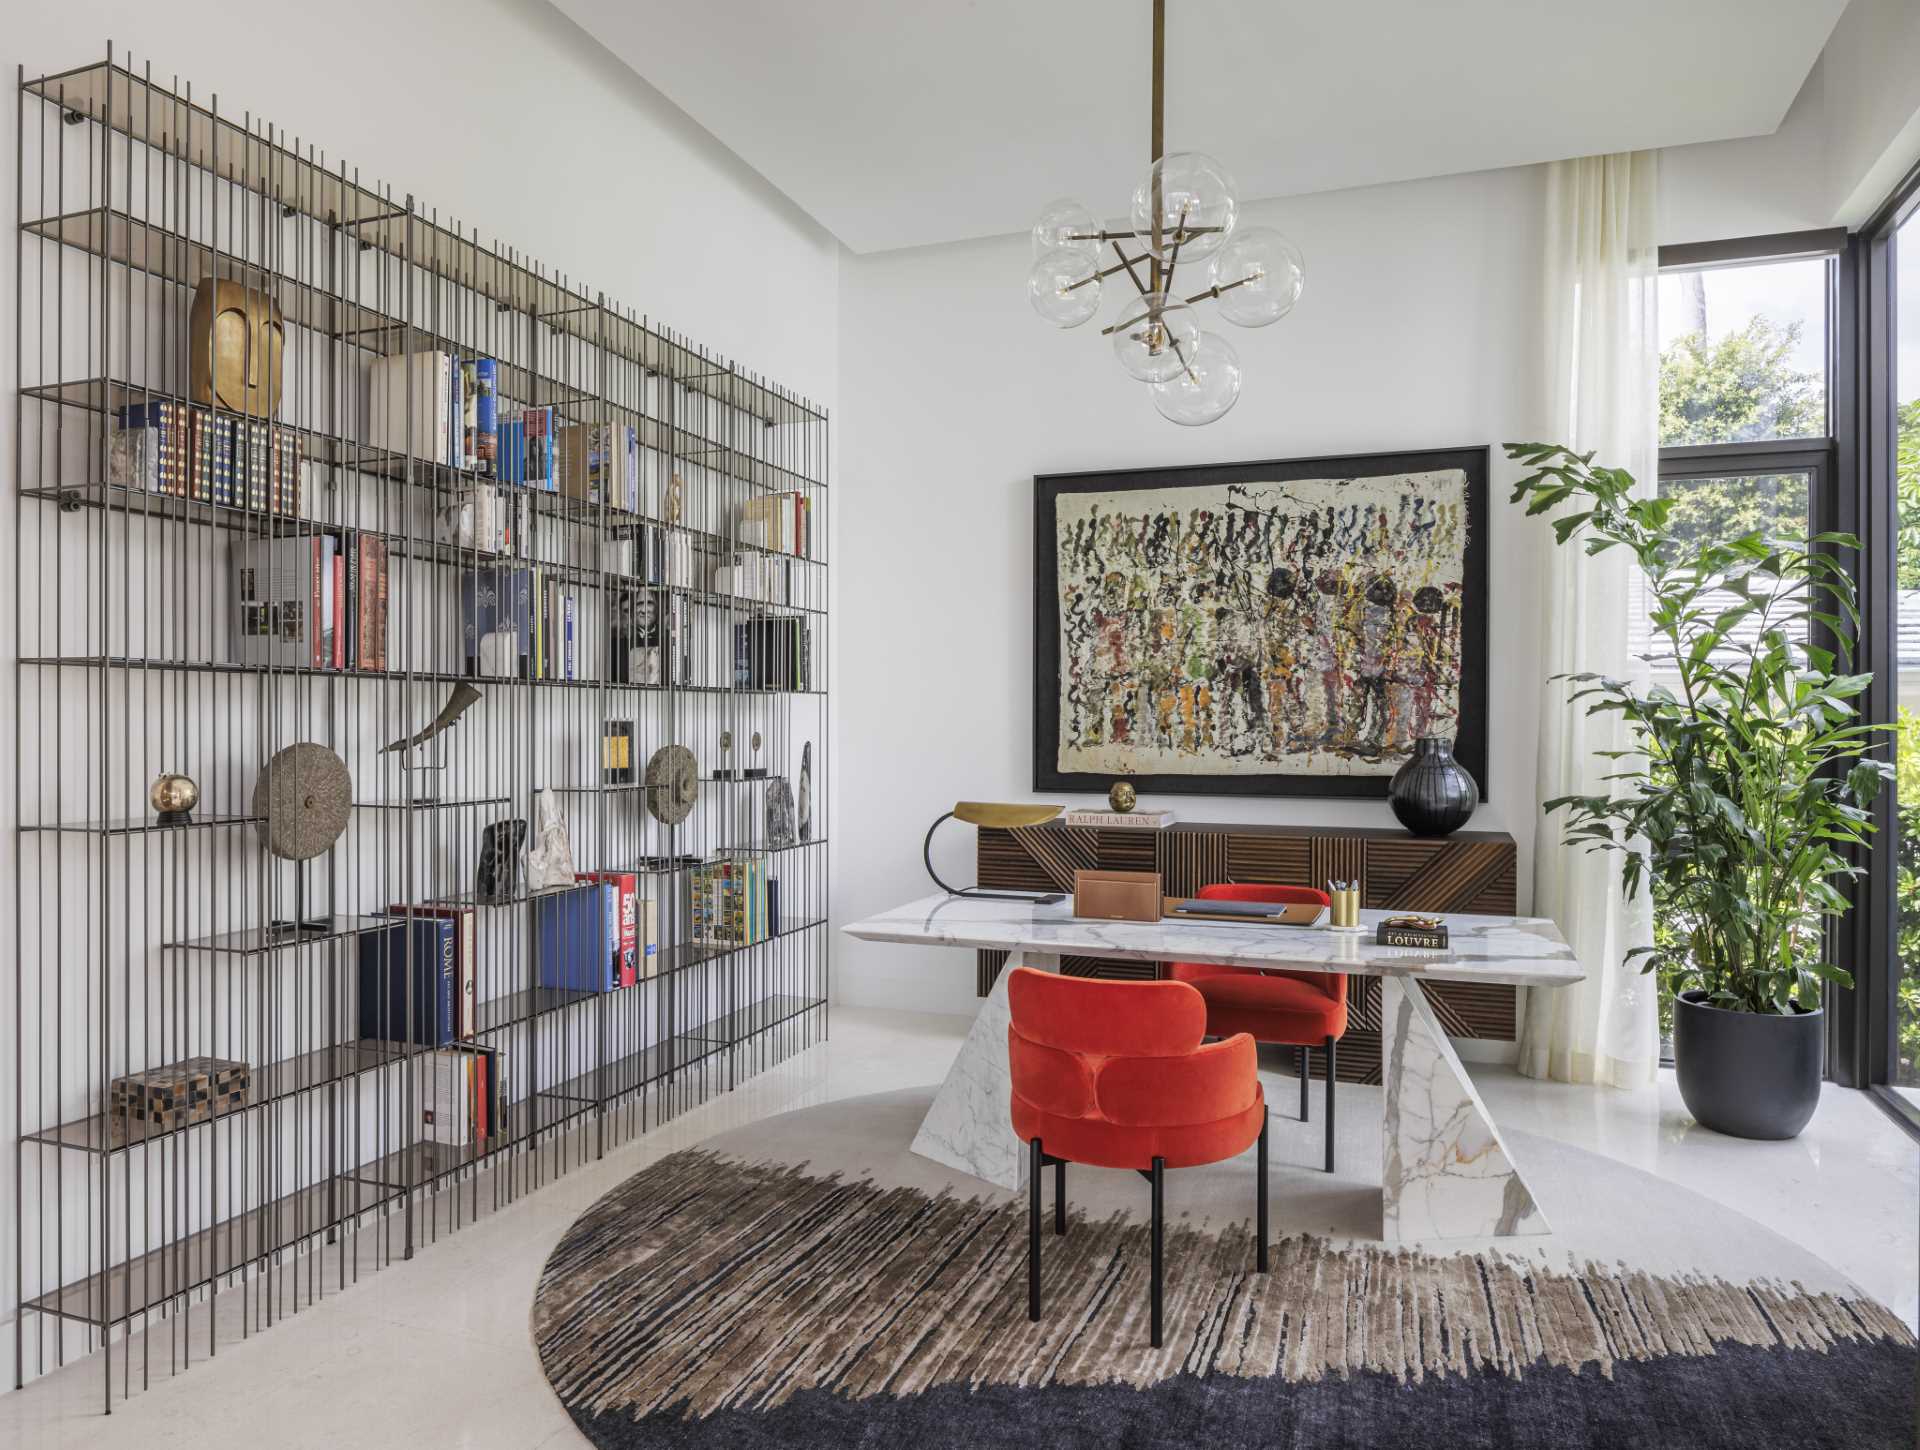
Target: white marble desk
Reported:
point(1445, 1173)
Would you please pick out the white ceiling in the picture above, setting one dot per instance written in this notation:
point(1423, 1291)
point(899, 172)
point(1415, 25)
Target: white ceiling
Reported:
point(897, 123)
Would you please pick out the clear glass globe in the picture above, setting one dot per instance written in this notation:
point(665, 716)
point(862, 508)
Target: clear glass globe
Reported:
point(1265, 273)
point(1153, 335)
point(1060, 223)
point(1203, 390)
point(1187, 190)
point(1060, 289)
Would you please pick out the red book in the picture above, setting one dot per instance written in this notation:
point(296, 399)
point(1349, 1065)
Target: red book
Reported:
point(339, 613)
point(316, 640)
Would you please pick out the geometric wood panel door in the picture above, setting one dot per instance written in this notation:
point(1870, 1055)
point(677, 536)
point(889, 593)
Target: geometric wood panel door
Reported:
point(1473, 871)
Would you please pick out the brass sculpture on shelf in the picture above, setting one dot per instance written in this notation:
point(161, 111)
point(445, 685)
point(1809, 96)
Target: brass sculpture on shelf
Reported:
point(174, 796)
point(1121, 798)
point(235, 338)
point(458, 702)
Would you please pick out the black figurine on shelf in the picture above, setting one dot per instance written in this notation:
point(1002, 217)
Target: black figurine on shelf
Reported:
point(498, 870)
point(1432, 794)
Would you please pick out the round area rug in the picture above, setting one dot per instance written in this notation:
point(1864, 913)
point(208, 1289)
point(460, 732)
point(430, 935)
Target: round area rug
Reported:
point(807, 1281)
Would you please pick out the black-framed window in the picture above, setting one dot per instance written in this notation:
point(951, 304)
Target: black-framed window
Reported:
point(1876, 1042)
point(1747, 405)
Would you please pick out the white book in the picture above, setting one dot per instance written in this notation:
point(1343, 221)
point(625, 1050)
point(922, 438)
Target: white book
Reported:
point(431, 374)
point(441, 1085)
point(1139, 820)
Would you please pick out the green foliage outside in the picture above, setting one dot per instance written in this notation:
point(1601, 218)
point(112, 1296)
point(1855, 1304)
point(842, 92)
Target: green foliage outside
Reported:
point(1743, 387)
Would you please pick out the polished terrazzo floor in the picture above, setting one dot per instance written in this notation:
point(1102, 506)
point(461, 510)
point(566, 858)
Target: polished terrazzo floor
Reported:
point(435, 1352)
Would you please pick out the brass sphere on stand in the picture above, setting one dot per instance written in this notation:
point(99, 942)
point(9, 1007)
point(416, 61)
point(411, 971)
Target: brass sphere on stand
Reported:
point(174, 796)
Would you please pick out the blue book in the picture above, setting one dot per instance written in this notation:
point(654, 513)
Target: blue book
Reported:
point(571, 929)
point(384, 978)
point(486, 446)
point(512, 447)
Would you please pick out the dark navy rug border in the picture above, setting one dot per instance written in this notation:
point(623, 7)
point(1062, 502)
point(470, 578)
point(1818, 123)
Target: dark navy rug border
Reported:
point(1854, 1396)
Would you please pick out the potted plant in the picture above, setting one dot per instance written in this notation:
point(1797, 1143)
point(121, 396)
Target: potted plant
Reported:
point(1748, 782)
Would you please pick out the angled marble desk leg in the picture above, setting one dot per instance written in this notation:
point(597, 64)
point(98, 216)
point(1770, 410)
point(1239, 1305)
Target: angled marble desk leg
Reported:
point(970, 1125)
point(1446, 1173)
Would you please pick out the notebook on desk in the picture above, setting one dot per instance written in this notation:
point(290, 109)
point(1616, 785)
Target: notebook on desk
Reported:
point(1259, 913)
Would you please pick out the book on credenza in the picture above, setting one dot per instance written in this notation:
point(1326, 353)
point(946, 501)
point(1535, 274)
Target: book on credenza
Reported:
point(1136, 820)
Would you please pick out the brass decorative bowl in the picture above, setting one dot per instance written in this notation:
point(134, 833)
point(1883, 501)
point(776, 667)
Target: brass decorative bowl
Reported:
point(174, 796)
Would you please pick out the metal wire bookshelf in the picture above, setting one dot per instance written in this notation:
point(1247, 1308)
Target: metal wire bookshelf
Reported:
point(143, 940)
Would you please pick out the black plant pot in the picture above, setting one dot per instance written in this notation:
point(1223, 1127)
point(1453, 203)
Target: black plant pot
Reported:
point(1751, 1074)
point(1432, 794)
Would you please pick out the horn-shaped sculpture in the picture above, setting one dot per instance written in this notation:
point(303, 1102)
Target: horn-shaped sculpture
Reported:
point(457, 703)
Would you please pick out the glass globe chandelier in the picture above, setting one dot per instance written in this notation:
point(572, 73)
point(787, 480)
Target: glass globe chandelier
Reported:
point(1185, 213)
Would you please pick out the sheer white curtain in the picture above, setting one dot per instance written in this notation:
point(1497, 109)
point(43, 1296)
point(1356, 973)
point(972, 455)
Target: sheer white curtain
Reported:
point(1603, 378)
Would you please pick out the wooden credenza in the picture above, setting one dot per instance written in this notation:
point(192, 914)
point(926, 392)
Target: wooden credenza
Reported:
point(1468, 871)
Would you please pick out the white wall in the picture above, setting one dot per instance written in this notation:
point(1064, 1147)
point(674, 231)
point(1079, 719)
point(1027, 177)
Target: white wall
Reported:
point(1419, 328)
point(504, 116)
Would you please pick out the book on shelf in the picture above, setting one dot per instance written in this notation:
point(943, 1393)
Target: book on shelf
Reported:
point(465, 951)
point(487, 518)
point(600, 463)
point(782, 522)
point(407, 976)
point(760, 577)
point(772, 654)
point(729, 904)
point(479, 416)
point(461, 1090)
point(542, 466)
point(624, 927)
point(148, 447)
point(651, 640)
point(427, 380)
point(496, 621)
point(1136, 820)
point(315, 601)
point(651, 553)
point(573, 951)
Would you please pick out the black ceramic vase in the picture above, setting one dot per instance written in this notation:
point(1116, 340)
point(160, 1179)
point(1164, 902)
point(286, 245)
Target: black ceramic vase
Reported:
point(1432, 794)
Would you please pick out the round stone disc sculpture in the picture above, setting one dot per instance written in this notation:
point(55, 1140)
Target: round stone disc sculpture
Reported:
point(303, 797)
point(673, 784)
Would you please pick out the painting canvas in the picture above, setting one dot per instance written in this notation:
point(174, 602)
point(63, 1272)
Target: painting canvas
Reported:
point(1289, 627)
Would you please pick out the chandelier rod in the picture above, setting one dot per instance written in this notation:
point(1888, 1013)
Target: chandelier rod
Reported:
point(1159, 137)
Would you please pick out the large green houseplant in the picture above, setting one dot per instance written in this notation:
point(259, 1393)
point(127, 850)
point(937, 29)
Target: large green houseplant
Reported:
point(1749, 778)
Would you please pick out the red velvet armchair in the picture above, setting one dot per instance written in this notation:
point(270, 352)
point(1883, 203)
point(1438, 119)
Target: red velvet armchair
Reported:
point(1298, 1009)
point(1116, 1075)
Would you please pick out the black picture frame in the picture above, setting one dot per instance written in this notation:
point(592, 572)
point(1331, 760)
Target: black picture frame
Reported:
point(1470, 744)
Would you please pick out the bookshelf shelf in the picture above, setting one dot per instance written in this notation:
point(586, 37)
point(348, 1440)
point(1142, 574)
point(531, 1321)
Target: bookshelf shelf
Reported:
point(161, 628)
point(162, 1277)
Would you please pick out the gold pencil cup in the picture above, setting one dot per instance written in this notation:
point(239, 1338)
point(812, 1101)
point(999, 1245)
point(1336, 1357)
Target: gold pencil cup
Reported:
point(1345, 910)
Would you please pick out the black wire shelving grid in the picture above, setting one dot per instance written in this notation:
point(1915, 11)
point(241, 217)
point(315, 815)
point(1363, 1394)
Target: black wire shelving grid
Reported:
point(140, 943)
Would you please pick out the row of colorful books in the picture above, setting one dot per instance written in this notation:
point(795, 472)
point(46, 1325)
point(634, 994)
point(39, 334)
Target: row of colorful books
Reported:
point(455, 416)
point(318, 601)
point(520, 624)
point(759, 577)
point(733, 902)
point(173, 448)
point(782, 522)
point(487, 518)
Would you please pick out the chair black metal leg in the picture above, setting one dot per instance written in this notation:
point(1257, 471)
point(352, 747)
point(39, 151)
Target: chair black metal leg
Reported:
point(1329, 1105)
point(1033, 1231)
point(1059, 1195)
point(1260, 1216)
point(1159, 1183)
point(1300, 1066)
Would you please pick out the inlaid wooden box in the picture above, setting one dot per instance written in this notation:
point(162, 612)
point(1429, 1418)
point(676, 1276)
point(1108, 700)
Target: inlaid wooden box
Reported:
point(161, 1099)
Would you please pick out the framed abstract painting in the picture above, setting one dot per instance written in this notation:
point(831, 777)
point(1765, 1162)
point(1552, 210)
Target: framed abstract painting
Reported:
point(1279, 628)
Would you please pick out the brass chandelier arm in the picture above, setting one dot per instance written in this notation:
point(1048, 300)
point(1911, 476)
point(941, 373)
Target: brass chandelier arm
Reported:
point(1123, 265)
point(1138, 285)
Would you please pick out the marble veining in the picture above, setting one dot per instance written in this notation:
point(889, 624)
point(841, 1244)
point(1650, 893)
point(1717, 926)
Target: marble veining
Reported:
point(1445, 1171)
point(970, 1125)
point(1519, 951)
